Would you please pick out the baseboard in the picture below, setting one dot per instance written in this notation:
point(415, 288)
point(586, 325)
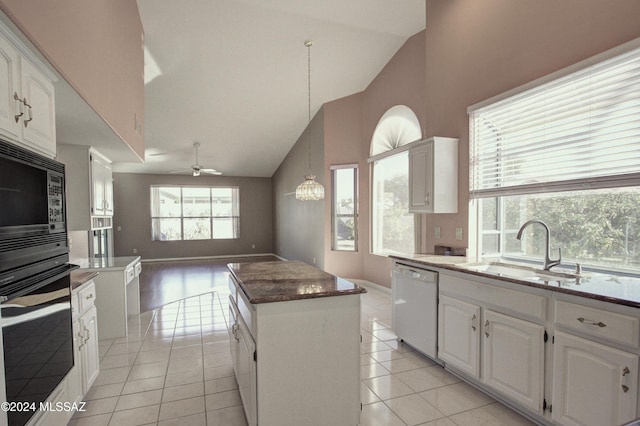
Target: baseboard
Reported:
point(230, 256)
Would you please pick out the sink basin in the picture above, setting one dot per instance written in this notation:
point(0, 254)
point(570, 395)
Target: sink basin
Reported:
point(521, 271)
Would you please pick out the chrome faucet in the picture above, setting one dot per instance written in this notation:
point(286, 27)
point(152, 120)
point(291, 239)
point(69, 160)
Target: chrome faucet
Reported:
point(548, 263)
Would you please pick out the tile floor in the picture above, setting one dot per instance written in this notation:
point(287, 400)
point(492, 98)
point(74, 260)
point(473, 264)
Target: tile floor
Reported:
point(174, 368)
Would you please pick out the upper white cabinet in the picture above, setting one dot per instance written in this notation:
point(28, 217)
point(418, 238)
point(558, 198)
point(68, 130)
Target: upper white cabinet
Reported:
point(89, 187)
point(27, 102)
point(433, 176)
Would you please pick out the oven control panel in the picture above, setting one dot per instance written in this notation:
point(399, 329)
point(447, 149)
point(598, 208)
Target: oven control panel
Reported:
point(55, 186)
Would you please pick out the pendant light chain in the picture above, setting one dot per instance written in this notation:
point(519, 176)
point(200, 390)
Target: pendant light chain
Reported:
point(309, 189)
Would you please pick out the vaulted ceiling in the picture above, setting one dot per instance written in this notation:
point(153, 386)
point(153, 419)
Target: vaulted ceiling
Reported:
point(232, 74)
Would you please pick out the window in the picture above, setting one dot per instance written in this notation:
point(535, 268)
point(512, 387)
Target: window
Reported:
point(344, 223)
point(393, 228)
point(393, 225)
point(567, 152)
point(194, 213)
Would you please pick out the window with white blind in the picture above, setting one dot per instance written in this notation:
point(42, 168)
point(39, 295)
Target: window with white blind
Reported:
point(194, 213)
point(564, 150)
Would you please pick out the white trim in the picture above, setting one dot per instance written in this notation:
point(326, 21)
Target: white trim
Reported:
point(618, 50)
point(26, 51)
point(343, 166)
point(395, 151)
point(374, 286)
point(172, 259)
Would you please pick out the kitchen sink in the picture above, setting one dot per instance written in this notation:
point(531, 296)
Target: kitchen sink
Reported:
point(521, 271)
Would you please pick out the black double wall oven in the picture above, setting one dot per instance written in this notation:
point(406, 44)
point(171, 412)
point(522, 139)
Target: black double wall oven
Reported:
point(35, 295)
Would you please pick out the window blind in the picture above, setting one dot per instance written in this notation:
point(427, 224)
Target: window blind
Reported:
point(579, 131)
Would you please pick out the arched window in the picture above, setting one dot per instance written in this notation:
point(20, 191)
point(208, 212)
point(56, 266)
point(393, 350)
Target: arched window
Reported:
point(392, 226)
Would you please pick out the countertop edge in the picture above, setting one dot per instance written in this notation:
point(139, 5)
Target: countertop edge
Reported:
point(79, 278)
point(453, 267)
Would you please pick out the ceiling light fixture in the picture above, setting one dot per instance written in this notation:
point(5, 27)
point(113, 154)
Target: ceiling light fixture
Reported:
point(309, 190)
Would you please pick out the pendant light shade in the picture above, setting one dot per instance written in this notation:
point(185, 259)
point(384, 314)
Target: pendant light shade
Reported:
point(309, 190)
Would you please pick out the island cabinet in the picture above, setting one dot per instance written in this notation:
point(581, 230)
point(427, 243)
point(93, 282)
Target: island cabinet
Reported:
point(295, 333)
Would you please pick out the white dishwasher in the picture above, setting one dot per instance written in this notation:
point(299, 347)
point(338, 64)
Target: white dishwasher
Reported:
point(415, 307)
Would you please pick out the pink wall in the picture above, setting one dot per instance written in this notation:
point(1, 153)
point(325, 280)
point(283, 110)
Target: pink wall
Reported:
point(97, 47)
point(473, 50)
point(479, 49)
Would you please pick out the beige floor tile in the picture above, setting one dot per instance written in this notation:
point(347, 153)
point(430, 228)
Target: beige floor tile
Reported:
point(97, 406)
point(187, 340)
point(97, 392)
point(147, 357)
point(124, 348)
point(366, 395)
point(136, 416)
point(220, 385)
point(217, 359)
point(175, 393)
point(173, 409)
point(199, 419)
point(427, 378)
point(413, 410)
point(134, 386)
point(218, 372)
point(387, 387)
point(389, 355)
point(399, 365)
point(476, 417)
point(115, 361)
point(456, 398)
point(378, 414)
point(184, 378)
point(111, 376)
point(445, 421)
point(215, 347)
point(186, 351)
point(230, 416)
point(147, 371)
point(99, 420)
point(225, 399)
point(506, 415)
point(375, 369)
point(185, 365)
point(140, 399)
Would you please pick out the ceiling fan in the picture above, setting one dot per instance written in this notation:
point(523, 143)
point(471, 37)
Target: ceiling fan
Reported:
point(197, 169)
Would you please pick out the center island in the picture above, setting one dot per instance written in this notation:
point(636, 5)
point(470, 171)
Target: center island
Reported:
point(295, 344)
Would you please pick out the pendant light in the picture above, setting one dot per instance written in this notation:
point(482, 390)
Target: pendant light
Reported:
point(309, 190)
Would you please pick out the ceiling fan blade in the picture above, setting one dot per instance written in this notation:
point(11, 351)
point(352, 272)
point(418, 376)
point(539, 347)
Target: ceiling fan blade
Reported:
point(210, 171)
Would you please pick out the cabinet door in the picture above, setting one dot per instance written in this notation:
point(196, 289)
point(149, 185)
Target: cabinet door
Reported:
point(9, 85)
point(513, 358)
point(233, 339)
point(97, 185)
point(246, 373)
point(459, 335)
point(593, 384)
point(90, 350)
point(421, 178)
point(39, 120)
point(107, 175)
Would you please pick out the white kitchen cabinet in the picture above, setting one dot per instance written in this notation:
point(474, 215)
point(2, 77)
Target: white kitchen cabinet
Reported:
point(246, 373)
point(433, 176)
point(27, 97)
point(593, 384)
point(459, 335)
point(89, 188)
point(513, 358)
point(85, 333)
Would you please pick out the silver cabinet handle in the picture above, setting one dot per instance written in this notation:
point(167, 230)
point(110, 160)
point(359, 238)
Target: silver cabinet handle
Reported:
point(473, 322)
point(486, 328)
point(86, 339)
point(26, 121)
point(586, 321)
point(20, 103)
point(90, 296)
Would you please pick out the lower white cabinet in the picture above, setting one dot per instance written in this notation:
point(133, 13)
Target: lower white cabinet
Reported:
point(85, 336)
point(246, 372)
point(513, 358)
point(459, 335)
point(593, 384)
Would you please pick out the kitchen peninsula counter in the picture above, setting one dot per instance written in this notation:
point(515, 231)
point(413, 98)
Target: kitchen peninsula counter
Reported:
point(295, 344)
point(281, 281)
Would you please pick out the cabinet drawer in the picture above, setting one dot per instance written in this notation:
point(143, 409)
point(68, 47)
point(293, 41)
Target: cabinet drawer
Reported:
point(86, 297)
point(620, 328)
point(138, 268)
point(129, 274)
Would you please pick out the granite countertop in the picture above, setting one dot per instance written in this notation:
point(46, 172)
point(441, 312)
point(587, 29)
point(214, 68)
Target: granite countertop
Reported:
point(78, 278)
point(280, 281)
point(107, 263)
point(619, 289)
